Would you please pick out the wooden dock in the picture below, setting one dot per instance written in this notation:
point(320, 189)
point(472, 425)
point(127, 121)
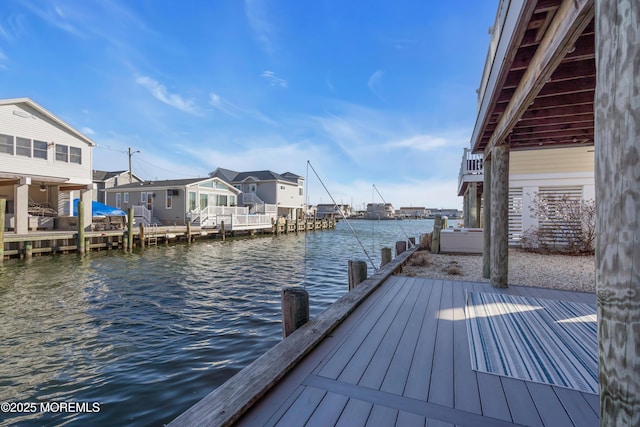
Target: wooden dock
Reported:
point(401, 358)
point(42, 242)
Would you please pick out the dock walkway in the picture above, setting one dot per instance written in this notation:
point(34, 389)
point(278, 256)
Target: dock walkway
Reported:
point(402, 358)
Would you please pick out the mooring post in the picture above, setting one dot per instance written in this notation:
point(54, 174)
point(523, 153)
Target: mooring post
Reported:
point(401, 246)
point(28, 250)
point(222, 229)
point(412, 242)
point(295, 309)
point(130, 229)
point(188, 231)
point(141, 235)
point(435, 235)
point(385, 255)
point(80, 237)
point(3, 207)
point(357, 273)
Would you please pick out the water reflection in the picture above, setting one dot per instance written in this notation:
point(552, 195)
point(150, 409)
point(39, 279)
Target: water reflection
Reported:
point(150, 333)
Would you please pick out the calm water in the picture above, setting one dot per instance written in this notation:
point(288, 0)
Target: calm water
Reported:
point(148, 334)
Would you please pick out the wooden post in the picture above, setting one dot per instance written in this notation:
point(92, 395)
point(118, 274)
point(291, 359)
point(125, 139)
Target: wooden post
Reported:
point(295, 309)
point(486, 246)
point(3, 207)
point(80, 237)
point(87, 244)
point(435, 235)
point(141, 236)
point(357, 273)
point(412, 242)
point(473, 204)
point(385, 256)
point(189, 232)
point(130, 229)
point(500, 216)
point(401, 246)
point(222, 229)
point(617, 161)
point(28, 250)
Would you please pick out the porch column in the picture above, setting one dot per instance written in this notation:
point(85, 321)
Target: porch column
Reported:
point(86, 196)
point(500, 216)
point(21, 206)
point(617, 161)
point(486, 247)
point(465, 208)
point(473, 204)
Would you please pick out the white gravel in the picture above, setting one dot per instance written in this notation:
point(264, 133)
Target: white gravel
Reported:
point(529, 269)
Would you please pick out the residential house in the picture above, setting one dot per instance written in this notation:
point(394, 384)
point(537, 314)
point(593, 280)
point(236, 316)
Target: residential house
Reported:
point(285, 192)
point(329, 210)
point(413, 212)
point(106, 179)
point(177, 201)
point(44, 164)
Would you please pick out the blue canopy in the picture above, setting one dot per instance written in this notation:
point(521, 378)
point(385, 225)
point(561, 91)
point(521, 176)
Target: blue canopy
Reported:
point(99, 209)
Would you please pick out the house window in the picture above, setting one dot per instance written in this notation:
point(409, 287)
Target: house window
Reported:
point(75, 155)
point(204, 201)
point(192, 201)
point(222, 200)
point(62, 153)
point(220, 186)
point(40, 149)
point(143, 196)
point(126, 198)
point(23, 147)
point(169, 199)
point(282, 187)
point(6, 144)
point(118, 200)
point(232, 200)
point(300, 191)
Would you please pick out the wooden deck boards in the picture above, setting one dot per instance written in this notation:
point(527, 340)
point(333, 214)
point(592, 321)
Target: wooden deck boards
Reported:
point(402, 359)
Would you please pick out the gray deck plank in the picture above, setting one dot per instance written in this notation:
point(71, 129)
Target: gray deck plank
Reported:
point(549, 406)
point(420, 372)
point(328, 410)
point(465, 379)
point(396, 377)
point(376, 320)
point(366, 352)
point(407, 419)
point(579, 410)
point(382, 416)
point(521, 406)
point(302, 408)
point(356, 413)
point(389, 345)
point(441, 387)
point(492, 397)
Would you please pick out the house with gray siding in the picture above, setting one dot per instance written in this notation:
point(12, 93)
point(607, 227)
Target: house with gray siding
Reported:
point(259, 188)
point(110, 179)
point(44, 164)
point(176, 201)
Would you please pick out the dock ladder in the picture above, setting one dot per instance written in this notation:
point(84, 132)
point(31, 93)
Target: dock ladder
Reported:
point(152, 235)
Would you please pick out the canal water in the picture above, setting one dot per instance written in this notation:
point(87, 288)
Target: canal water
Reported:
point(136, 339)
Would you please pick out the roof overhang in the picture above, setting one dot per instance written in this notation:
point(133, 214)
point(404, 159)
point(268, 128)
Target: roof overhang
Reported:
point(540, 88)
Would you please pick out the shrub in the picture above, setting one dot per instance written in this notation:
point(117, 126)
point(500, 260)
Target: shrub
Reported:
point(425, 242)
point(419, 259)
point(453, 270)
point(566, 225)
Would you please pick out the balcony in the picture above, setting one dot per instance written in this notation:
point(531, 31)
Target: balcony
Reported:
point(471, 170)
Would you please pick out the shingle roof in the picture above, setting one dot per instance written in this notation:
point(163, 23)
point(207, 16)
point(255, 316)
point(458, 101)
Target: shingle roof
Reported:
point(105, 175)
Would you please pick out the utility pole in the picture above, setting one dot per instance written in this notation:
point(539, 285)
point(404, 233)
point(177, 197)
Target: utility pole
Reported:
point(131, 154)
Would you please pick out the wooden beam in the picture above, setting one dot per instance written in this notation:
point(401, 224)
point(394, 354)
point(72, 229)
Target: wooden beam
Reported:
point(572, 17)
point(500, 216)
point(617, 153)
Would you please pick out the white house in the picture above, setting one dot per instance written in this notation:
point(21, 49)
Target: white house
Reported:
point(260, 188)
point(44, 163)
point(176, 201)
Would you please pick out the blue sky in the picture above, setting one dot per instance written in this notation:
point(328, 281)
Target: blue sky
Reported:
point(370, 92)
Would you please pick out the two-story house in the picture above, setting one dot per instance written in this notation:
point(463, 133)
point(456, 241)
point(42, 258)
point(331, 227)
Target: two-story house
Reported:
point(44, 164)
point(262, 188)
point(110, 179)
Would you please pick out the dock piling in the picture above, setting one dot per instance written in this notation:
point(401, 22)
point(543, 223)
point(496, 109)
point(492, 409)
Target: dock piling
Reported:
point(435, 235)
point(401, 246)
point(357, 273)
point(3, 207)
point(130, 229)
point(385, 256)
point(80, 237)
point(295, 309)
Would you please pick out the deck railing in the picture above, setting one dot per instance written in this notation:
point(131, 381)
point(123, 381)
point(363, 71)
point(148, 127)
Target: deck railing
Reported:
point(471, 165)
point(140, 211)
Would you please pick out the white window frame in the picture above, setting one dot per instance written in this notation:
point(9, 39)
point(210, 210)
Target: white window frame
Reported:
point(26, 151)
point(169, 200)
point(126, 198)
point(39, 148)
point(118, 200)
point(7, 141)
point(75, 155)
point(66, 153)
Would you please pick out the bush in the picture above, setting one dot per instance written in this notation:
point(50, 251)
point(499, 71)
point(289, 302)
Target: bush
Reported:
point(419, 259)
point(566, 225)
point(425, 242)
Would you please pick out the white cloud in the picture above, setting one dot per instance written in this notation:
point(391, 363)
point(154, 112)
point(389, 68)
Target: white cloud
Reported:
point(270, 77)
point(421, 142)
point(160, 92)
point(264, 30)
point(87, 131)
point(375, 81)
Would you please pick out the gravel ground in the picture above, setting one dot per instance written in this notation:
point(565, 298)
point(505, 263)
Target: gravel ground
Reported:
point(565, 272)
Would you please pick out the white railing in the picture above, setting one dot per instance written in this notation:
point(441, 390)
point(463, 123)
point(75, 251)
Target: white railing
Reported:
point(472, 164)
point(270, 209)
point(142, 212)
point(251, 221)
